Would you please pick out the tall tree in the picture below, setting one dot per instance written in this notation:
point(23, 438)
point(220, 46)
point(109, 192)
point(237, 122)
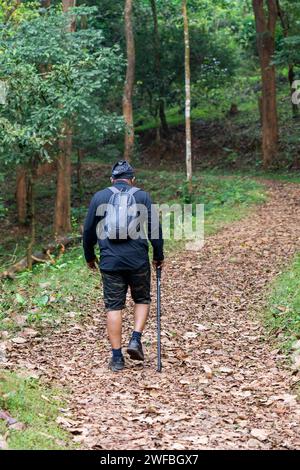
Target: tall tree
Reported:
point(21, 178)
point(62, 218)
point(157, 52)
point(266, 14)
point(129, 81)
point(188, 131)
point(21, 194)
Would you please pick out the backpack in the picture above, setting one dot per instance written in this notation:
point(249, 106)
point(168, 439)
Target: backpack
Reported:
point(122, 210)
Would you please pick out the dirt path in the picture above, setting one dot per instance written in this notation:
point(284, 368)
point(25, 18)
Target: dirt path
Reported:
point(210, 299)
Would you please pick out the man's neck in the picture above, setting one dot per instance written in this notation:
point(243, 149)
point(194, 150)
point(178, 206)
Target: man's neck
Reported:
point(123, 182)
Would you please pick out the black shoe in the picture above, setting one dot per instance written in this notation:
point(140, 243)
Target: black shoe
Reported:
point(135, 350)
point(116, 364)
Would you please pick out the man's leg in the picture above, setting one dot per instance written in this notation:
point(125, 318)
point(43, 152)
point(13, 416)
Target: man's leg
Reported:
point(114, 328)
point(141, 313)
point(115, 289)
point(135, 348)
point(140, 291)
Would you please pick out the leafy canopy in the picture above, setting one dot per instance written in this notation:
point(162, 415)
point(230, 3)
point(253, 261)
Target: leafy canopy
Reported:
point(66, 78)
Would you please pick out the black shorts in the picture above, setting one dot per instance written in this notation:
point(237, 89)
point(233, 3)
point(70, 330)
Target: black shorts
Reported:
point(115, 286)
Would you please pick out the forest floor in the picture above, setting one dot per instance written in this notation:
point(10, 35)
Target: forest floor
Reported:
point(224, 385)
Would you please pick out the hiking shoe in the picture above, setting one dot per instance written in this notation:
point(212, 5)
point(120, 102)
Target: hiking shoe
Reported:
point(135, 350)
point(116, 364)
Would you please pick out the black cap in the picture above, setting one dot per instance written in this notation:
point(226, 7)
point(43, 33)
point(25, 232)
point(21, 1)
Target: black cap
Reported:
point(122, 169)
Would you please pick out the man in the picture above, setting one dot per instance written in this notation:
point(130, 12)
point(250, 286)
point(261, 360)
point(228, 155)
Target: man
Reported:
point(123, 263)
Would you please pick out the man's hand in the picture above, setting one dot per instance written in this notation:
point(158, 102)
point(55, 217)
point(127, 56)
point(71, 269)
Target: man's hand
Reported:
point(93, 265)
point(158, 264)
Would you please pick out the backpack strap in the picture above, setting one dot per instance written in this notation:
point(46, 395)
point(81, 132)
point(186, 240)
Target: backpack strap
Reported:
point(114, 190)
point(132, 191)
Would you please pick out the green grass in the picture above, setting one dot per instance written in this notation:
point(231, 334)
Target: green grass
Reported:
point(284, 176)
point(225, 199)
point(37, 407)
point(283, 310)
point(50, 294)
point(175, 116)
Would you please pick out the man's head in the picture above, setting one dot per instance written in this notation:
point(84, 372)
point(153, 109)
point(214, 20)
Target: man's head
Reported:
point(122, 171)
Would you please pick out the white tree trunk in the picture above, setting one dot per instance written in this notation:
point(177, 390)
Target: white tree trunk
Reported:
point(188, 132)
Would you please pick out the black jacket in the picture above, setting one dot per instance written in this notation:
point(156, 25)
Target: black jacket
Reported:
point(126, 255)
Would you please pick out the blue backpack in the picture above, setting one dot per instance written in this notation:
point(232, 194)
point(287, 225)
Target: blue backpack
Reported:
point(122, 210)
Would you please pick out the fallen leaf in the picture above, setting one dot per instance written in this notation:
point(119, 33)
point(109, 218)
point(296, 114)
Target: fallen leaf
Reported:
point(253, 444)
point(30, 332)
point(19, 340)
point(208, 371)
point(260, 434)
point(7, 417)
point(18, 426)
point(68, 423)
point(184, 382)
point(226, 370)
point(190, 335)
point(201, 327)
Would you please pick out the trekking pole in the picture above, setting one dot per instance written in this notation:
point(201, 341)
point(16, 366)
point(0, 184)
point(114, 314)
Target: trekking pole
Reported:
point(158, 279)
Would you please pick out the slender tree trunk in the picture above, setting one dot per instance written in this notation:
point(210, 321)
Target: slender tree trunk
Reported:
point(80, 154)
point(62, 223)
point(45, 3)
point(21, 194)
point(162, 117)
point(62, 218)
point(265, 31)
point(189, 171)
point(285, 24)
point(129, 82)
point(157, 53)
point(31, 201)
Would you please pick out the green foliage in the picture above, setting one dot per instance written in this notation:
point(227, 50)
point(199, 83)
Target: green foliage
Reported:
point(213, 55)
point(288, 41)
point(16, 13)
point(47, 296)
point(37, 407)
point(283, 311)
point(66, 78)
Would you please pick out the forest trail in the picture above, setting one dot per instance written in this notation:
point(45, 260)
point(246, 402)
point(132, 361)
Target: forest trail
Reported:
point(222, 386)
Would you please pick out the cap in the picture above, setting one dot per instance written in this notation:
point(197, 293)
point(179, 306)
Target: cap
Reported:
point(122, 169)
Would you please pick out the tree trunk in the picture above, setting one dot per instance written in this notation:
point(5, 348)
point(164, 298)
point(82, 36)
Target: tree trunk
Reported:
point(129, 82)
point(67, 4)
point(45, 3)
point(49, 253)
point(62, 222)
point(260, 108)
point(189, 171)
point(21, 194)
point(162, 117)
point(265, 31)
point(157, 53)
point(80, 154)
point(31, 201)
point(62, 219)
